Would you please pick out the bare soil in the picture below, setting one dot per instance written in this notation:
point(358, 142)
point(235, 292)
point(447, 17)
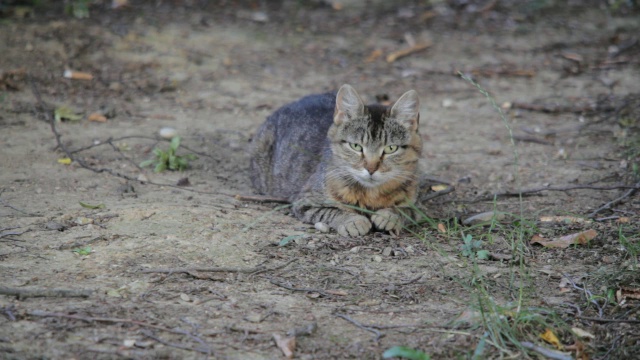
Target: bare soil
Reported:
point(181, 270)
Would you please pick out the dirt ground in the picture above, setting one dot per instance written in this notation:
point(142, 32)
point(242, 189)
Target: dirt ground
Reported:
point(170, 268)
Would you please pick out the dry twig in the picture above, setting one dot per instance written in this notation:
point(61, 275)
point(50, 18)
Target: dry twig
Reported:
point(361, 326)
point(615, 201)
point(27, 293)
point(220, 269)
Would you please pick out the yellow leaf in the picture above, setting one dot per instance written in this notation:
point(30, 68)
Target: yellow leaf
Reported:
point(551, 338)
point(64, 161)
point(439, 187)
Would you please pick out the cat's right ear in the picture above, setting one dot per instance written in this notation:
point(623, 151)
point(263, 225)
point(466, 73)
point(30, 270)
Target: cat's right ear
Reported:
point(349, 105)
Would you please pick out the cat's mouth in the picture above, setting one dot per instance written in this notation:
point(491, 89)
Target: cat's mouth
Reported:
point(369, 180)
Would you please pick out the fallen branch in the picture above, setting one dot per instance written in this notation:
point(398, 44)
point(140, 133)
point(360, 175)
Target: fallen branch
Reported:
point(615, 201)
point(533, 191)
point(220, 269)
point(27, 293)
point(100, 319)
point(203, 350)
point(52, 123)
point(361, 326)
point(556, 109)
point(601, 320)
point(551, 354)
point(307, 290)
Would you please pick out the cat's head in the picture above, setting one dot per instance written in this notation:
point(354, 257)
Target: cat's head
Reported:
point(374, 144)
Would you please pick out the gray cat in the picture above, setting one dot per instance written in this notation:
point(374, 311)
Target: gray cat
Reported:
point(340, 162)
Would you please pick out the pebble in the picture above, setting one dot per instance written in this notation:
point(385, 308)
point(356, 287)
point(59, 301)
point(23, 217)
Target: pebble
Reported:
point(84, 221)
point(322, 227)
point(386, 251)
point(377, 258)
point(168, 132)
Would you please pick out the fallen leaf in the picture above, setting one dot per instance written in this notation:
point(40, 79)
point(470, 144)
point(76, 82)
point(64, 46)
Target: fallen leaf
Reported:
point(439, 187)
point(65, 113)
point(64, 161)
point(407, 51)
point(375, 54)
point(286, 344)
point(551, 338)
point(97, 117)
point(564, 242)
point(442, 228)
point(623, 220)
point(85, 205)
point(582, 333)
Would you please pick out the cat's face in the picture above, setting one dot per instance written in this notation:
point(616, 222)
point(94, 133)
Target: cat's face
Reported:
point(374, 145)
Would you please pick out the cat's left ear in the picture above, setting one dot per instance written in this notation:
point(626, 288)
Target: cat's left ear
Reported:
point(407, 110)
point(349, 105)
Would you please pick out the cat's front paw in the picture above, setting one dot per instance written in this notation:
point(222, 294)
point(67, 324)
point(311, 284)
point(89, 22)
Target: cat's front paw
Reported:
point(387, 220)
point(354, 225)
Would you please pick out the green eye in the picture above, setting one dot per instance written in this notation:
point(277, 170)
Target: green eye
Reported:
point(356, 147)
point(390, 149)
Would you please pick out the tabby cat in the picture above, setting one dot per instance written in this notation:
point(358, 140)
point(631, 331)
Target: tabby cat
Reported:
point(340, 162)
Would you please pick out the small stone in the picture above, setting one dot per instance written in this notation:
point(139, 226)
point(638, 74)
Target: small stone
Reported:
point(447, 103)
point(168, 132)
point(355, 249)
point(52, 225)
point(322, 227)
point(83, 220)
point(377, 258)
point(142, 178)
point(386, 251)
point(185, 297)
point(129, 343)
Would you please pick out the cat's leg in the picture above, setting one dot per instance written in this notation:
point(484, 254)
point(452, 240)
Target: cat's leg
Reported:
point(391, 219)
point(346, 223)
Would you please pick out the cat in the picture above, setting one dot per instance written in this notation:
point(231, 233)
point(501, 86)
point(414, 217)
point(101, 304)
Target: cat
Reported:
point(339, 162)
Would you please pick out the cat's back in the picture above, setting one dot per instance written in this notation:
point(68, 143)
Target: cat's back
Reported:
point(288, 147)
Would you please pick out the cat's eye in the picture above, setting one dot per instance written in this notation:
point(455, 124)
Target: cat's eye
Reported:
point(356, 147)
point(390, 149)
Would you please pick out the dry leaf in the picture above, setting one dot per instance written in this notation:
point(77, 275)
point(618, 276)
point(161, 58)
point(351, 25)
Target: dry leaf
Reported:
point(564, 242)
point(375, 54)
point(407, 51)
point(551, 338)
point(286, 344)
point(97, 117)
point(442, 228)
point(582, 333)
point(64, 161)
point(439, 187)
point(623, 220)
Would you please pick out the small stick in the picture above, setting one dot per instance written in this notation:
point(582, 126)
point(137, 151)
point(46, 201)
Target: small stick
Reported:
point(27, 293)
point(203, 350)
point(616, 201)
point(100, 319)
point(308, 290)
point(407, 51)
point(630, 321)
point(551, 354)
point(260, 198)
point(220, 269)
point(361, 326)
point(558, 188)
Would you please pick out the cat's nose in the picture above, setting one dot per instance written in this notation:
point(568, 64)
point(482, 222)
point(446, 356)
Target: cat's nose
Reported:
point(371, 168)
